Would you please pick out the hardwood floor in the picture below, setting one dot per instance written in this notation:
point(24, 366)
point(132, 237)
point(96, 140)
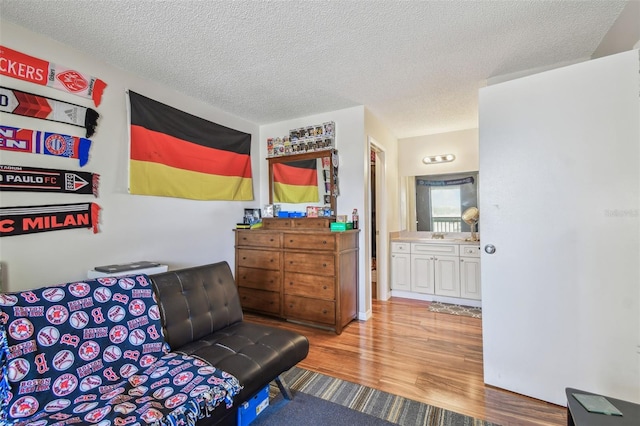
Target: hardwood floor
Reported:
point(430, 357)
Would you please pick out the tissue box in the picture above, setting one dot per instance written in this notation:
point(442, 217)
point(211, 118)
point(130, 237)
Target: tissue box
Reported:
point(341, 226)
point(249, 410)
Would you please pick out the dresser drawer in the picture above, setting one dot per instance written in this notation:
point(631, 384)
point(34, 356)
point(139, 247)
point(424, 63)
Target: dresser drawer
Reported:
point(258, 239)
point(442, 249)
point(309, 285)
point(310, 241)
point(311, 223)
point(470, 251)
point(260, 300)
point(400, 248)
point(308, 263)
point(264, 259)
point(307, 309)
point(258, 279)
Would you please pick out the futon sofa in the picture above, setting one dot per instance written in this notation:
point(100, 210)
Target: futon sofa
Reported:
point(159, 349)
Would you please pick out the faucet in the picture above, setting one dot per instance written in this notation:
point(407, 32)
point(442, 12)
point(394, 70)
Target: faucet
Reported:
point(437, 236)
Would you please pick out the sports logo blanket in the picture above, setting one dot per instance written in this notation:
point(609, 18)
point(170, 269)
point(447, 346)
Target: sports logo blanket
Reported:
point(92, 352)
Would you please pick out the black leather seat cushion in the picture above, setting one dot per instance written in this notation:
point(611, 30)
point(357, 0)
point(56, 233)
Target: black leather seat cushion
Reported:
point(202, 316)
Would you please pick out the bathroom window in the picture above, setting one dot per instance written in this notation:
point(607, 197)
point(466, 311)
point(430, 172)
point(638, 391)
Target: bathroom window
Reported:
point(441, 199)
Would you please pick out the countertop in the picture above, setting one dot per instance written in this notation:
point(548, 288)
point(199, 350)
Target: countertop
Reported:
point(426, 237)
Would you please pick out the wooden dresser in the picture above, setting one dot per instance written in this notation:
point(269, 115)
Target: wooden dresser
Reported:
point(297, 269)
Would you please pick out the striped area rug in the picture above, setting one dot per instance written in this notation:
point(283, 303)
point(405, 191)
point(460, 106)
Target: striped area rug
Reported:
point(386, 406)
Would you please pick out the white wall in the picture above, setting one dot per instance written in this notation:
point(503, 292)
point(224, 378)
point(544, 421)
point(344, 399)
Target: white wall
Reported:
point(351, 145)
point(387, 199)
point(177, 232)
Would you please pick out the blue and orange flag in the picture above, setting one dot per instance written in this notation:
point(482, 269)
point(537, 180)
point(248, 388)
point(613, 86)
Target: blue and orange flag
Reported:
point(176, 154)
point(295, 182)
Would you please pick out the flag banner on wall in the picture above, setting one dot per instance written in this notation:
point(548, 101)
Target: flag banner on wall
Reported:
point(33, 219)
point(28, 68)
point(31, 179)
point(176, 154)
point(36, 142)
point(461, 181)
point(295, 182)
point(18, 102)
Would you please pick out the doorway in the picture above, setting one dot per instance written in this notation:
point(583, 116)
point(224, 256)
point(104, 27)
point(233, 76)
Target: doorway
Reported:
point(377, 234)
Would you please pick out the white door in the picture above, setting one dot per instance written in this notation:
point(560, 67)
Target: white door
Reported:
point(401, 271)
point(560, 202)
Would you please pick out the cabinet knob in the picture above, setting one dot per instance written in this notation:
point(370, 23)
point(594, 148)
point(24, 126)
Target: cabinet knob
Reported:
point(324, 265)
point(244, 277)
point(290, 241)
point(324, 311)
point(244, 258)
point(271, 239)
point(461, 260)
point(324, 287)
point(291, 283)
point(324, 242)
point(271, 260)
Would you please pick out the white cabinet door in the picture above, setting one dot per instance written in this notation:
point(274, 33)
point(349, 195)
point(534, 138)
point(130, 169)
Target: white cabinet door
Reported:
point(422, 273)
point(401, 271)
point(447, 276)
point(470, 278)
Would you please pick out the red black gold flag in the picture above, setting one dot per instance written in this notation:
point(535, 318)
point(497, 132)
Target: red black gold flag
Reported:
point(176, 154)
point(32, 219)
point(295, 182)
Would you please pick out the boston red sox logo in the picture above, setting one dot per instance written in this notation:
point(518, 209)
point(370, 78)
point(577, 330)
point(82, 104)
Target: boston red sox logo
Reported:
point(63, 360)
point(152, 415)
point(147, 360)
point(97, 315)
point(30, 296)
point(108, 281)
point(137, 337)
point(137, 380)
point(98, 414)
point(137, 307)
point(21, 329)
point(116, 313)
point(79, 320)
point(102, 294)
point(110, 375)
point(127, 283)
point(198, 390)
point(24, 407)
point(175, 400)
point(79, 289)
point(182, 378)
point(112, 353)
point(128, 370)
point(159, 372)
point(118, 334)
point(18, 369)
point(8, 299)
point(89, 350)
point(154, 312)
point(57, 314)
point(85, 406)
point(163, 392)
point(48, 336)
point(90, 382)
point(64, 385)
point(125, 408)
point(57, 405)
point(54, 294)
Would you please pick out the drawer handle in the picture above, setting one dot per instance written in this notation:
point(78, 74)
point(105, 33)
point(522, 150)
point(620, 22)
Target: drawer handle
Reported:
point(271, 260)
point(244, 238)
point(244, 277)
point(291, 305)
point(244, 258)
point(461, 260)
point(271, 240)
point(324, 265)
point(324, 287)
point(324, 311)
point(324, 242)
point(290, 282)
point(290, 241)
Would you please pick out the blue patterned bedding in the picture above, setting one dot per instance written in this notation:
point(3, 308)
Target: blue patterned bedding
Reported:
point(93, 352)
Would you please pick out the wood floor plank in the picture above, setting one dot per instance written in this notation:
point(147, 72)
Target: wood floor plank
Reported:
point(434, 358)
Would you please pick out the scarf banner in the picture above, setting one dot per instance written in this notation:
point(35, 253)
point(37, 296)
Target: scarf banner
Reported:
point(176, 154)
point(445, 182)
point(35, 142)
point(18, 102)
point(34, 70)
point(295, 182)
point(31, 179)
point(33, 219)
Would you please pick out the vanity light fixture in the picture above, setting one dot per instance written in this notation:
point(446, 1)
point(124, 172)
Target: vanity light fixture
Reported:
point(444, 158)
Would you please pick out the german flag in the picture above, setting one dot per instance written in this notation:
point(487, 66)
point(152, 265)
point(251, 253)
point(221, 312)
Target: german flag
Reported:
point(176, 154)
point(295, 182)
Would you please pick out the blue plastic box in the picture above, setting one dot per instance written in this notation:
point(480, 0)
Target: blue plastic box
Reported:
point(248, 411)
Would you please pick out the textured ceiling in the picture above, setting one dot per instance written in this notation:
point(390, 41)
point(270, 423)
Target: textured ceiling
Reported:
point(417, 66)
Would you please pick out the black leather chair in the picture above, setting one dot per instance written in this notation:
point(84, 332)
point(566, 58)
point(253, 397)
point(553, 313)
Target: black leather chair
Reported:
point(202, 316)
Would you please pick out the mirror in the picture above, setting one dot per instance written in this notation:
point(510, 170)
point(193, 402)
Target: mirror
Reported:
point(435, 203)
point(309, 178)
